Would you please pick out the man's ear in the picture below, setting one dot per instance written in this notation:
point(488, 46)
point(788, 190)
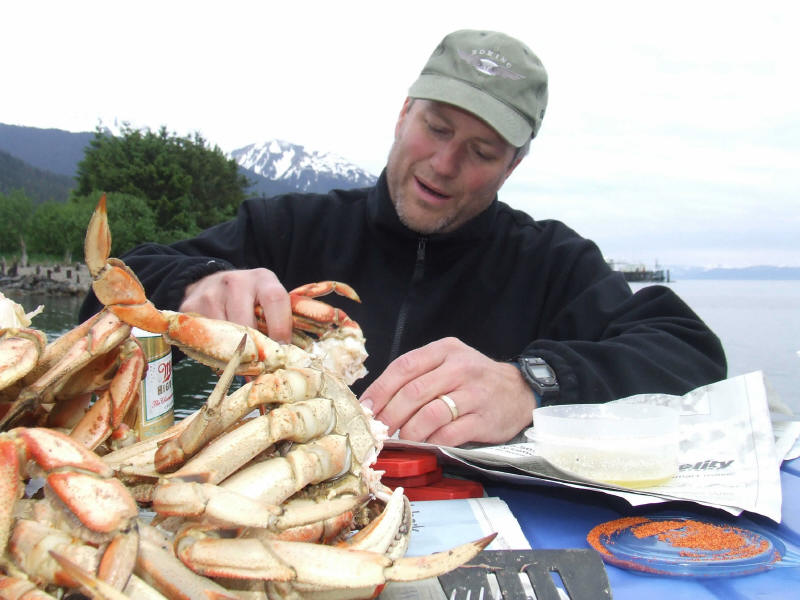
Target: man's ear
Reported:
point(401, 117)
point(511, 168)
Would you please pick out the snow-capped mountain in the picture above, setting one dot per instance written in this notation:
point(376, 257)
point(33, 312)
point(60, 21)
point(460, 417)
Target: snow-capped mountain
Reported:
point(276, 166)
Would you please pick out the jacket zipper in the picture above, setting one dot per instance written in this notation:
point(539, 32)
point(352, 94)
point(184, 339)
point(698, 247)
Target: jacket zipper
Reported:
point(416, 276)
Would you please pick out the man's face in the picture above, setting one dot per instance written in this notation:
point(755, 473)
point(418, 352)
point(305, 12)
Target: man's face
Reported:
point(445, 166)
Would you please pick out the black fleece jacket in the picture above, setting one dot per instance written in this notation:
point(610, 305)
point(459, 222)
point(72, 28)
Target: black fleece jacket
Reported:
point(503, 283)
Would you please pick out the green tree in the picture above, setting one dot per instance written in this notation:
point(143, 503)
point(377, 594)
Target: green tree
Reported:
point(130, 220)
point(188, 185)
point(59, 229)
point(16, 210)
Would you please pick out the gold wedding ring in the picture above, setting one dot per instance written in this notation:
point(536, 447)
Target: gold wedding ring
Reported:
point(450, 404)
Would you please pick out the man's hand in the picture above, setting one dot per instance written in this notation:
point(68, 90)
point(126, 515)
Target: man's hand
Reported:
point(493, 401)
point(233, 296)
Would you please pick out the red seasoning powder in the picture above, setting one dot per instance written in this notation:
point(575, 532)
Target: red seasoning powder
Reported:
point(725, 541)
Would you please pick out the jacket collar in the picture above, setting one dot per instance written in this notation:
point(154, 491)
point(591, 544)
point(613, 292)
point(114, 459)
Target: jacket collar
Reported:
point(383, 216)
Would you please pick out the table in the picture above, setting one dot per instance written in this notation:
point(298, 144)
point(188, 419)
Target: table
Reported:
point(560, 517)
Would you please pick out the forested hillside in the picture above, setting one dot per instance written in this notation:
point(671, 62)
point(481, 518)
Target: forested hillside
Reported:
point(51, 150)
point(40, 186)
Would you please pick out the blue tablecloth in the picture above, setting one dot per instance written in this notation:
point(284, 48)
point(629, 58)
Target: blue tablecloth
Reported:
point(556, 517)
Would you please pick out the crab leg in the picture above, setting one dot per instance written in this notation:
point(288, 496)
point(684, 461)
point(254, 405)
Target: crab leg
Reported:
point(298, 422)
point(138, 460)
point(389, 533)
point(77, 476)
point(30, 545)
point(312, 315)
point(161, 569)
point(221, 411)
point(314, 564)
point(288, 386)
point(106, 414)
point(322, 531)
point(113, 282)
point(17, 588)
point(87, 581)
point(20, 350)
point(253, 495)
point(97, 588)
point(209, 341)
point(212, 342)
point(317, 502)
point(320, 512)
point(104, 333)
point(402, 569)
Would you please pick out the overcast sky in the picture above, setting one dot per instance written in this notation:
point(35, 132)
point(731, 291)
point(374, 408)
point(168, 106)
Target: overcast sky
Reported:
point(672, 133)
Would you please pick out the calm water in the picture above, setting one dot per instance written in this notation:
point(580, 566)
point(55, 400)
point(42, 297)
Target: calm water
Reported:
point(758, 322)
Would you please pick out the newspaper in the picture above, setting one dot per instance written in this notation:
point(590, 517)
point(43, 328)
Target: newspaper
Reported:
point(729, 456)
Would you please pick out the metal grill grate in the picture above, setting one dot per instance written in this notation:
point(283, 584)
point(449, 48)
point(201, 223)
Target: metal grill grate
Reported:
point(574, 574)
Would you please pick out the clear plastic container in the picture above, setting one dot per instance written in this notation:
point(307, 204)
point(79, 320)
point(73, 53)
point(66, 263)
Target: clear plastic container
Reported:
point(628, 445)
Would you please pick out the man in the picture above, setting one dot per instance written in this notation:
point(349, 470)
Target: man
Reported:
point(474, 313)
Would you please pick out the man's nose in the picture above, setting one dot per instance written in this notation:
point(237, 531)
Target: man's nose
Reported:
point(445, 161)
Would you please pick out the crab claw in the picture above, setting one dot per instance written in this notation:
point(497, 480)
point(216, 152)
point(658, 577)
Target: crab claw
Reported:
point(318, 317)
point(20, 349)
point(113, 282)
point(77, 476)
point(92, 585)
point(315, 564)
point(22, 588)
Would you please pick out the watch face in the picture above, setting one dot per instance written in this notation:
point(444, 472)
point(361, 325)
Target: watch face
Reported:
point(540, 371)
point(540, 376)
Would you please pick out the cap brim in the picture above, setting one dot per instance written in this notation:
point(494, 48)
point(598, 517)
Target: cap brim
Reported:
point(499, 116)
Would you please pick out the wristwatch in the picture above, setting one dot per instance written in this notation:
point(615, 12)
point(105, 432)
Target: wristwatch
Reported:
point(540, 376)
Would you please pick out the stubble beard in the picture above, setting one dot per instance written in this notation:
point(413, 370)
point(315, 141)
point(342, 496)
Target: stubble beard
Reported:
point(403, 208)
point(427, 228)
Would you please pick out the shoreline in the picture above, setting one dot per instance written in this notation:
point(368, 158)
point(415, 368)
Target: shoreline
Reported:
point(64, 280)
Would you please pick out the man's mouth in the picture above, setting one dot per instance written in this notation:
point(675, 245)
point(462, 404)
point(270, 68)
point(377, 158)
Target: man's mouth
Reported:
point(432, 190)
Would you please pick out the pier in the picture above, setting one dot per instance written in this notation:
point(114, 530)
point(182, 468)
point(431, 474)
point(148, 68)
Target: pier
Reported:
point(639, 272)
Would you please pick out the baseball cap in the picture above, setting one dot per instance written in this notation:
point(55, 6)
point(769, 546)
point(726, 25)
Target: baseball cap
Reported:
point(492, 75)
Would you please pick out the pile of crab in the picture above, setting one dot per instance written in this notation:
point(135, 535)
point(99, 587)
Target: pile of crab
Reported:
point(265, 492)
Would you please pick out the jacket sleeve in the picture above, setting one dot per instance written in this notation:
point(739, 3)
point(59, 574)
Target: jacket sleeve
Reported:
point(605, 342)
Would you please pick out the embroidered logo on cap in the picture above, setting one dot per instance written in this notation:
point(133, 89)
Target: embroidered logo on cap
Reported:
point(485, 61)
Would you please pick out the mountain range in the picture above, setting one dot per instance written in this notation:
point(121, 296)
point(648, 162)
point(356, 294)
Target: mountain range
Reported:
point(283, 167)
point(43, 162)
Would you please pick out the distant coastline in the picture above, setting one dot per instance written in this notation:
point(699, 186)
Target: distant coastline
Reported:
point(660, 273)
point(75, 279)
point(763, 272)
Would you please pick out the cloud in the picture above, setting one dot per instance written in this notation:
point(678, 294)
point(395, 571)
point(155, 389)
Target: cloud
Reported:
point(672, 129)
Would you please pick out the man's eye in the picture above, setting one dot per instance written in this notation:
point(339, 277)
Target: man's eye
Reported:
point(437, 129)
point(485, 156)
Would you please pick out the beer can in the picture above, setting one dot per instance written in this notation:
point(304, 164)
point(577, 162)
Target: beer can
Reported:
point(156, 400)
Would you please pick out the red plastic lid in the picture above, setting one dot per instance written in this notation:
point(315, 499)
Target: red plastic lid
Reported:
point(405, 463)
point(413, 480)
point(445, 489)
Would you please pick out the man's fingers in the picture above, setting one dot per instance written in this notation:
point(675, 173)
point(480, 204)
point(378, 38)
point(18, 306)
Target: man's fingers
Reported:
point(419, 397)
point(432, 417)
point(277, 311)
point(492, 401)
point(457, 432)
point(404, 374)
point(240, 310)
point(233, 296)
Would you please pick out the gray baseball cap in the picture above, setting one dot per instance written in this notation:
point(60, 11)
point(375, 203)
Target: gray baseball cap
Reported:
point(493, 76)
